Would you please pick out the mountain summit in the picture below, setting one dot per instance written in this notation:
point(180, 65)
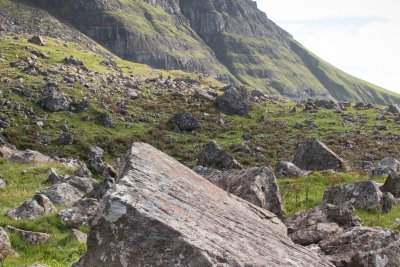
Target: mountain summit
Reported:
point(228, 39)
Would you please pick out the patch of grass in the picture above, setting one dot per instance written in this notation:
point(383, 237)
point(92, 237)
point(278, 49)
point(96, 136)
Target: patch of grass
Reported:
point(23, 181)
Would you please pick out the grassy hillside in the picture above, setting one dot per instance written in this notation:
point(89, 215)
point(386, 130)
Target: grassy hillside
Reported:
point(273, 139)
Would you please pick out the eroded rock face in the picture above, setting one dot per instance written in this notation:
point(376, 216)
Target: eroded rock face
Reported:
point(5, 245)
point(312, 226)
point(312, 154)
point(360, 245)
point(256, 185)
point(365, 195)
point(161, 213)
point(214, 156)
point(236, 100)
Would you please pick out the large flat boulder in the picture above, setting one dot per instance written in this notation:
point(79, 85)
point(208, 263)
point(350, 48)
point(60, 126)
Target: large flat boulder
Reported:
point(161, 213)
point(314, 155)
point(256, 185)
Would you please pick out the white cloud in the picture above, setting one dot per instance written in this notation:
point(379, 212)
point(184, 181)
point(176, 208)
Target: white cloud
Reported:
point(361, 37)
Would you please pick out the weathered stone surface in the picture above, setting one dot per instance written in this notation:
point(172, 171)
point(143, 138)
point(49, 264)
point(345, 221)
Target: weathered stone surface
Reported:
point(32, 208)
point(364, 195)
point(312, 226)
point(163, 214)
point(81, 212)
point(386, 166)
point(63, 194)
point(183, 121)
point(5, 245)
point(95, 155)
point(392, 184)
point(214, 156)
point(256, 185)
point(285, 169)
point(66, 138)
point(80, 236)
point(312, 154)
point(359, 245)
point(29, 236)
point(236, 100)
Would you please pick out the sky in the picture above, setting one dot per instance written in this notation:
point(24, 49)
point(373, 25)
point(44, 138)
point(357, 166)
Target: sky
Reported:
point(361, 37)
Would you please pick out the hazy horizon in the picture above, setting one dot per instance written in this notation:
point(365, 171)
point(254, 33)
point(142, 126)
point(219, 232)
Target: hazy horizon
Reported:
point(360, 37)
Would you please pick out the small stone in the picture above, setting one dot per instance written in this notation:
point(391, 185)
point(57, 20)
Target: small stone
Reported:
point(80, 236)
point(29, 236)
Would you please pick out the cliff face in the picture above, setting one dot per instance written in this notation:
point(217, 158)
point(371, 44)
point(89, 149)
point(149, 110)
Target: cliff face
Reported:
point(153, 32)
point(229, 39)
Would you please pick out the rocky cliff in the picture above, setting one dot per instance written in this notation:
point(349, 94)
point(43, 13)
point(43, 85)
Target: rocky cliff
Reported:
point(231, 40)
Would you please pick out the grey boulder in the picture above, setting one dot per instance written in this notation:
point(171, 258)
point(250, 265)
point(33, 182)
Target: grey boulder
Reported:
point(312, 226)
point(392, 184)
point(32, 208)
point(386, 166)
point(256, 185)
point(236, 100)
point(183, 121)
point(80, 213)
point(53, 100)
point(358, 246)
point(161, 213)
point(214, 156)
point(285, 169)
point(29, 236)
point(314, 155)
point(365, 195)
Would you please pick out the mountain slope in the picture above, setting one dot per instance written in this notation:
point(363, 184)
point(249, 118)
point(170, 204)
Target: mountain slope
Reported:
point(231, 40)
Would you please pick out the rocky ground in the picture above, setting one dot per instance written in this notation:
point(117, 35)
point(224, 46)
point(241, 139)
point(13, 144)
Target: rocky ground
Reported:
point(318, 173)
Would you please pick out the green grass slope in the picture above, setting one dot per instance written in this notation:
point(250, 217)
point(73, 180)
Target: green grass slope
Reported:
point(273, 139)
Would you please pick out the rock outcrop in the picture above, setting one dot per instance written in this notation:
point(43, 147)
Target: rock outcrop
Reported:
point(256, 185)
point(161, 213)
point(81, 212)
point(213, 156)
point(312, 154)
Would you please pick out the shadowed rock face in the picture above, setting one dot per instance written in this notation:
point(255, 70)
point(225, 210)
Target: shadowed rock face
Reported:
point(161, 213)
